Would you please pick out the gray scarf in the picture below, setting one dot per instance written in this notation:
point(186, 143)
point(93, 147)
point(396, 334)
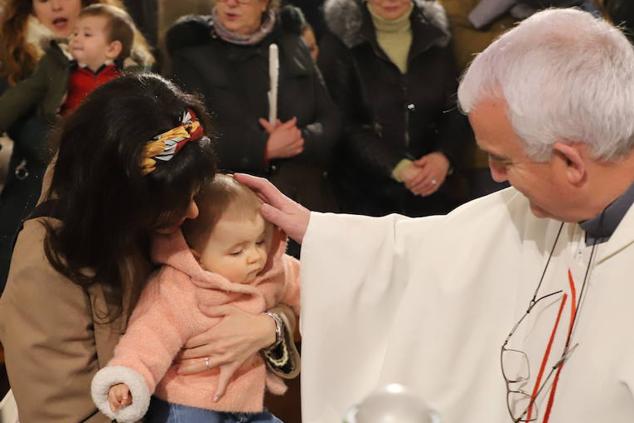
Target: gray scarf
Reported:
point(245, 40)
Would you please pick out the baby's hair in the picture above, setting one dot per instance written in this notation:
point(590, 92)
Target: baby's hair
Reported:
point(213, 200)
point(120, 25)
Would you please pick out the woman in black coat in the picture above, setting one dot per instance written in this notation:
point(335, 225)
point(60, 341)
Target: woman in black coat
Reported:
point(389, 67)
point(224, 57)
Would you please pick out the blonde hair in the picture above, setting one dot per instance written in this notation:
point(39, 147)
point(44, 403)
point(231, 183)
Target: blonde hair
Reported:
point(213, 200)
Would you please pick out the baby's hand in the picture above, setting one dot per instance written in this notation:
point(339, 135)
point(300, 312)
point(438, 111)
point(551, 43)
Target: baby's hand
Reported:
point(119, 396)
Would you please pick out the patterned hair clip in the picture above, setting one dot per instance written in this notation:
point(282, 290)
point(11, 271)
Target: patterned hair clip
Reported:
point(165, 146)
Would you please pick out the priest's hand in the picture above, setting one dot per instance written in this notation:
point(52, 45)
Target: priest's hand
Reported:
point(278, 209)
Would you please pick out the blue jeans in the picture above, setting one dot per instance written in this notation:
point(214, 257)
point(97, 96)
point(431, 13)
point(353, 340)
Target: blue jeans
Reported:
point(164, 412)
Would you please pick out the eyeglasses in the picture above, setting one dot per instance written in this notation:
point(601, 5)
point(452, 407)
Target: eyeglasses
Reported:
point(516, 368)
point(522, 405)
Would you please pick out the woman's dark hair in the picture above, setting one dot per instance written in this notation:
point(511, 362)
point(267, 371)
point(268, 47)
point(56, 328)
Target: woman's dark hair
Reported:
point(108, 207)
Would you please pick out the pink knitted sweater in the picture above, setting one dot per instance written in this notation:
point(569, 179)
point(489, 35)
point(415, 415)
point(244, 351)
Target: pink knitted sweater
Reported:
point(176, 305)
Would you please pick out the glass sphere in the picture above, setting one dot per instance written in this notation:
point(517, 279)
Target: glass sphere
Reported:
point(392, 403)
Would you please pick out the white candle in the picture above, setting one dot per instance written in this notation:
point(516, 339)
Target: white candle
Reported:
point(274, 69)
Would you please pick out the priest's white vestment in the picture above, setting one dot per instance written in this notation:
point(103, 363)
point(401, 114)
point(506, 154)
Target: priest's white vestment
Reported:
point(428, 303)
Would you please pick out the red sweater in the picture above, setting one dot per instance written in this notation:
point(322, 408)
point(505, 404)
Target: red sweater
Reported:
point(82, 81)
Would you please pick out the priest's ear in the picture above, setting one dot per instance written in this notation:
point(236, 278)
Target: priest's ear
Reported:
point(573, 157)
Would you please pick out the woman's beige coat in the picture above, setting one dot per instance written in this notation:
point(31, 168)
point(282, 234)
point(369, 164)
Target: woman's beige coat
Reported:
point(53, 347)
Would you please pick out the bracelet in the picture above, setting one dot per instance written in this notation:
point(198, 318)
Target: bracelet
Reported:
point(279, 330)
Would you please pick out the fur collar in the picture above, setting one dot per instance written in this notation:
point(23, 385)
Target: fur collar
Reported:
point(38, 35)
point(345, 18)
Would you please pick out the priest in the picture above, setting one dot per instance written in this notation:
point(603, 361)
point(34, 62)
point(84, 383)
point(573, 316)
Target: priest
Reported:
point(516, 306)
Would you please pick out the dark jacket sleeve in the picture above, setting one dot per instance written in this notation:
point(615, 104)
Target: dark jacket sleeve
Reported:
point(453, 126)
point(360, 139)
point(321, 135)
point(16, 101)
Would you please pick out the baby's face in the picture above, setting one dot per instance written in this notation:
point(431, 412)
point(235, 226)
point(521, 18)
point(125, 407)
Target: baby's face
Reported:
point(89, 43)
point(237, 248)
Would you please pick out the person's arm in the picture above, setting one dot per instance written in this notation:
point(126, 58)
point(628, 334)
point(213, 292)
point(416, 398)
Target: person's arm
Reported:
point(453, 126)
point(156, 332)
point(47, 332)
point(322, 134)
point(283, 358)
point(238, 336)
point(361, 139)
point(16, 101)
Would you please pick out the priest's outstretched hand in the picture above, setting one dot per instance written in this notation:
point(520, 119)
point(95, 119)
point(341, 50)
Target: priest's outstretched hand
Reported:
point(278, 209)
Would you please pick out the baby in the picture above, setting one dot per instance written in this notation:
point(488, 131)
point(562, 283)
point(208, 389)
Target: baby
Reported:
point(65, 75)
point(228, 255)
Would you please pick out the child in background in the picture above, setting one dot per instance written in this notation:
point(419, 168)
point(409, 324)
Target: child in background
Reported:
point(228, 255)
point(98, 46)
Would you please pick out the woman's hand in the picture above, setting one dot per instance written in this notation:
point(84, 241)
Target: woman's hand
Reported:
point(430, 173)
point(278, 209)
point(119, 396)
point(227, 345)
point(285, 139)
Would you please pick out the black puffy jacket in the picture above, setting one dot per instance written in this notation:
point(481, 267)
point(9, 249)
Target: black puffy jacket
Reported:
point(388, 115)
point(234, 82)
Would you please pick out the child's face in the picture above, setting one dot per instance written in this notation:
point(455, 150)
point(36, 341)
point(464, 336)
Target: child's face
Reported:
point(237, 248)
point(89, 43)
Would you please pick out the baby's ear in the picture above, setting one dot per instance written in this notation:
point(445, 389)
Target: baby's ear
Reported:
point(114, 49)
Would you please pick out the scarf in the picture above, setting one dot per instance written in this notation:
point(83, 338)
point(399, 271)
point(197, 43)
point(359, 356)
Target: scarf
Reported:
point(245, 40)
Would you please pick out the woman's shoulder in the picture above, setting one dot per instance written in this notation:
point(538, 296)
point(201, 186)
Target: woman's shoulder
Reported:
point(344, 19)
point(292, 20)
point(433, 13)
point(31, 273)
point(188, 31)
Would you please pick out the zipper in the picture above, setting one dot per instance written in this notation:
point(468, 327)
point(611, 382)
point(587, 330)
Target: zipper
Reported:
point(409, 108)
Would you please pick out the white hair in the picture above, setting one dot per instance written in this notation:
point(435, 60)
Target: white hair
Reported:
point(565, 76)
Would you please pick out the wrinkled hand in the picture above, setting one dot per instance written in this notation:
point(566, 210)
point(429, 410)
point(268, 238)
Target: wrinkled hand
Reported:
point(227, 345)
point(427, 175)
point(285, 139)
point(119, 396)
point(278, 209)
